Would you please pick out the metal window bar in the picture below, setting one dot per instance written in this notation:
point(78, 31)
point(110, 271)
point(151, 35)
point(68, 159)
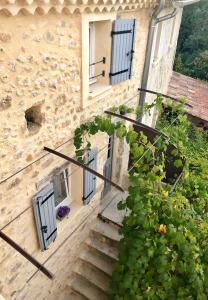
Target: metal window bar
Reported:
point(131, 120)
point(151, 147)
point(29, 207)
point(64, 241)
point(161, 134)
point(69, 175)
point(166, 96)
point(84, 167)
point(24, 253)
point(43, 156)
point(21, 250)
point(101, 74)
point(98, 62)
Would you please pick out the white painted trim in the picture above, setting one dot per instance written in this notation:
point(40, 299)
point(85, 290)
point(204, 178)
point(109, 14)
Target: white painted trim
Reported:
point(67, 182)
point(91, 51)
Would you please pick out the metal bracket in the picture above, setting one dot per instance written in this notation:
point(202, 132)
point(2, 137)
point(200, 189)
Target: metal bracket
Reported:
point(98, 62)
point(102, 74)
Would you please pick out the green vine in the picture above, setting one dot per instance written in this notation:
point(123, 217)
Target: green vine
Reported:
point(164, 251)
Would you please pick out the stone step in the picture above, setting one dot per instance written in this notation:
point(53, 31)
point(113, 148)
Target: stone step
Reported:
point(82, 286)
point(107, 230)
point(102, 246)
point(98, 259)
point(93, 275)
point(69, 294)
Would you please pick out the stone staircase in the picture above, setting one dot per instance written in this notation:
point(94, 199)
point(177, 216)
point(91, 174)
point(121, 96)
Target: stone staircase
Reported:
point(93, 270)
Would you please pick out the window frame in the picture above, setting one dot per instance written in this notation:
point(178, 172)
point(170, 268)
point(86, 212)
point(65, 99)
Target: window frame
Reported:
point(67, 183)
point(91, 52)
point(102, 89)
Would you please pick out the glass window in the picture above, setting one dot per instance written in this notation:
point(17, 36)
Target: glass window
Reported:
point(61, 188)
point(91, 53)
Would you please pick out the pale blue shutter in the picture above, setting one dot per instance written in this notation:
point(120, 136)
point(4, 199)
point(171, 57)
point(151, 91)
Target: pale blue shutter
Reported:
point(123, 35)
point(44, 209)
point(89, 178)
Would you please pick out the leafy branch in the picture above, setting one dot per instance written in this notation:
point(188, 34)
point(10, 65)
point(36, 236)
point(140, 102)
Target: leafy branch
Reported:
point(164, 251)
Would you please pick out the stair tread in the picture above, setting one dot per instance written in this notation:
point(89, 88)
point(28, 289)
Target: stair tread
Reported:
point(93, 275)
point(72, 295)
point(84, 287)
point(99, 260)
point(107, 230)
point(102, 247)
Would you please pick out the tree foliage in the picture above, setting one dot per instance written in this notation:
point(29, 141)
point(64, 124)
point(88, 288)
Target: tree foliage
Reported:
point(192, 54)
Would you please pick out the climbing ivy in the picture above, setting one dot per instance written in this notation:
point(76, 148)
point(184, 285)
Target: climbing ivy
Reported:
point(164, 251)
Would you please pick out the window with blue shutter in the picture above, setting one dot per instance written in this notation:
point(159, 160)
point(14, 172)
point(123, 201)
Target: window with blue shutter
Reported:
point(123, 35)
point(44, 209)
point(89, 178)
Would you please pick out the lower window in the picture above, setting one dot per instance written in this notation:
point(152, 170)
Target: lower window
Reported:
point(61, 188)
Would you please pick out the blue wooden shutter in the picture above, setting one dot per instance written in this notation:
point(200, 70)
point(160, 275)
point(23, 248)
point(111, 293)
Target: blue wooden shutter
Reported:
point(123, 35)
point(44, 209)
point(89, 178)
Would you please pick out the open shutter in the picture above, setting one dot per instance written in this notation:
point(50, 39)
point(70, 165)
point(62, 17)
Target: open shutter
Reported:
point(123, 35)
point(89, 178)
point(44, 208)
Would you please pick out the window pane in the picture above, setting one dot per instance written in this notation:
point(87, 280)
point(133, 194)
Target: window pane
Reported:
point(60, 189)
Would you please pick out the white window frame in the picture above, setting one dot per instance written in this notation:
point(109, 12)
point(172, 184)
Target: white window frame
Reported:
point(67, 184)
point(102, 89)
point(91, 51)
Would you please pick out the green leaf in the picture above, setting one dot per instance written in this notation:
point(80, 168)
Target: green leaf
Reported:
point(178, 163)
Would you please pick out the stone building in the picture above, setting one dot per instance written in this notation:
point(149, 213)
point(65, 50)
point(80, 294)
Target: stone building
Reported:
point(49, 85)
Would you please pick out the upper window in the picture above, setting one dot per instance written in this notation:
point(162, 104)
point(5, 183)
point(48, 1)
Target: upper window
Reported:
point(99, 57)
point(107, 53)
point(61, 188)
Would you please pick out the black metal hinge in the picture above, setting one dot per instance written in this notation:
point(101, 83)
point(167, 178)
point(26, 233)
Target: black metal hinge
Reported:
point(51, 234)
point(121, 32)
point(85, 198)
point(120, 72)
point(51, 194)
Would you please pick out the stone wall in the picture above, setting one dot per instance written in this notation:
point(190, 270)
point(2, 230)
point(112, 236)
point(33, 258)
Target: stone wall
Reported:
point(40, 78)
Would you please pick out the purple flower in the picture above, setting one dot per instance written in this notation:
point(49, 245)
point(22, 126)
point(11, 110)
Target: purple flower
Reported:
point(63, 211)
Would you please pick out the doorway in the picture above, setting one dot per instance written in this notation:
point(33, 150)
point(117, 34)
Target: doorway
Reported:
point(107, 172)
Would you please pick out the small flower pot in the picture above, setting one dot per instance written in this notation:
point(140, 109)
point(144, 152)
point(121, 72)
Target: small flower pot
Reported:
point(62, 212)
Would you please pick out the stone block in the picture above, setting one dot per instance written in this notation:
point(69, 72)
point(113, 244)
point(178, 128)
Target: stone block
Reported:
point(5, 102)
point(5, 37)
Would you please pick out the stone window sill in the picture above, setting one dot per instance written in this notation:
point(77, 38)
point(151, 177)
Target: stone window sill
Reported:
point(98, 89)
